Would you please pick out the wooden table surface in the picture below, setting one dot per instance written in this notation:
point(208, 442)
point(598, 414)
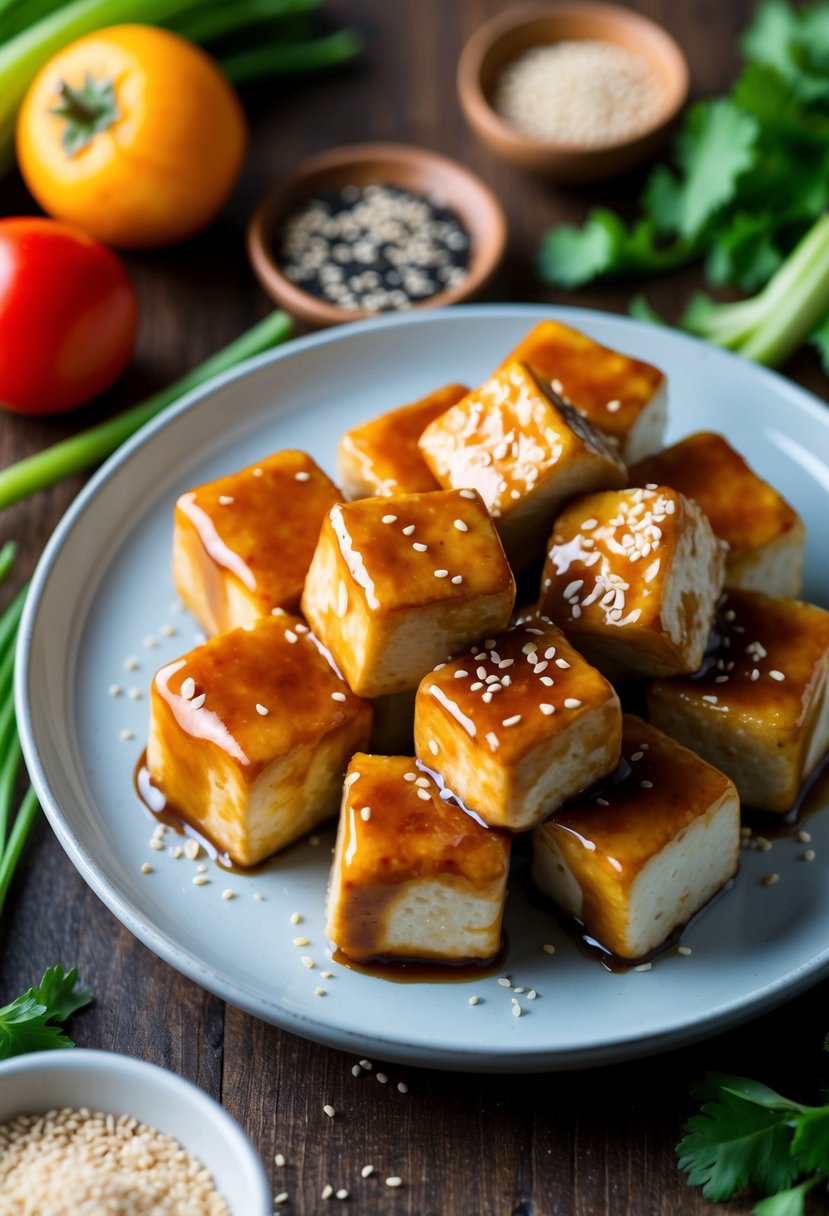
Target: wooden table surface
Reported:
point(581, 1143)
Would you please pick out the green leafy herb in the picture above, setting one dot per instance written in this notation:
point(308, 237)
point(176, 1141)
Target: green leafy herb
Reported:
point(747, 1136)
point(33, 1021)
point(749, 181)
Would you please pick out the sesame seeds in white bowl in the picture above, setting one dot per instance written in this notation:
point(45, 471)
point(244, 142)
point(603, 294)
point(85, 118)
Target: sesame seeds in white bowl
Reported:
point(103, 1120)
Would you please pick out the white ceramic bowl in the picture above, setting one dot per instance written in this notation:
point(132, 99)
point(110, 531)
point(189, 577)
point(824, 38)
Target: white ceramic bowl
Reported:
point(116, 1084)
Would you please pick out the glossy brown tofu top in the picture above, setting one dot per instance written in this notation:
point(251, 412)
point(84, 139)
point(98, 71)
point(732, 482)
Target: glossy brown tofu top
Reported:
point(257, 692)
point(764, 661)
point(611, 388)
point(261, 524)
point(516, 690)
point(385, 449)
point(507, 437)
point(657, 791)
point(398, 829)
point(742, 508)
point(414, 549)
point(608, 557)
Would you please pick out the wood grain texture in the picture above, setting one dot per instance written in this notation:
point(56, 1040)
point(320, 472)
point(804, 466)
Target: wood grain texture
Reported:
point(590, 1143)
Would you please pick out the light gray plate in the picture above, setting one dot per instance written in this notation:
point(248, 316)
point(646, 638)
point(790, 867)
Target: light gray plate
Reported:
point(104, 585)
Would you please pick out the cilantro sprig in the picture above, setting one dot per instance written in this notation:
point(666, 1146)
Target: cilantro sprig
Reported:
point(34, 1022)
point(746, 193)
point(748, 1136)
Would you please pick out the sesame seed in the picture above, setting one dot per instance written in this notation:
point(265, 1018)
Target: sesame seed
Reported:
point(468, 494)
point(279, 1160)
point(342, 1193)
point(474, 1000)
point(776, 675)
point(644, 967)
point(548, 948)
point(356, 1070)
point(572, 703)
point(157, 843)
point(198, 701)
point(131, 664)
point(419, 547)
point(115, 690)
point(320, 992)
point(505, 981)
point(804, 837)
point(126, 735)
point(338, 696)
point(135, 694)
point(563, 664)
point(302, 476)
point(307, 961)
point(394, 1181)
point(441, 573)
point(382, 1078)
point(290, 636)
point(350, 780)
point(365, 813)
point(367, 1064)
point(547, 681)
point(461, 526)
point(366, 1171)
point(517, 1010)
point(409, 776)
point(281, 1198)
point(425, 795)
point(755, 674)
point(329, 1110)
point(433, 747)
point(602, 802)
point(461, 674)
point(457, 579)
point(200, 880)
point(613, 406)
point(176, 852)
point(532, 994)
point(422, 783)
point(169, 631)
point(327, 975)
point(504, 663)
point(389, 519)
point(192, 849)
point(513, 721)
point(146, 868)
point(228, 893)
point(712, 700)
point(301, 941)
point(262, 710)
point(547, 709)
point(809, 855)
point(769, 880)
point(684, 950)
point(201, 869)
point(646, 785)
point(327, 1192)
point(408, 530)
point(402, 1087)
point(637, 756)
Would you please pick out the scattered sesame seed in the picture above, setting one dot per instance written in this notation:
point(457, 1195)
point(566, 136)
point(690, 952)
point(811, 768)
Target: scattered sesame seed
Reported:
point(367, 1065)
point(768, 880)
point(157, 844)
point(504, 981)
point(320, 992)
point(474, 1000)
point(710, 698)
point(302, 475)
point(408, 530)
point(804, 837)
point(126, 735)
point(646, 785)
point(307, 961)
point(290, 636)
point(131, 664)
point(517, 1010)
point(279, 1160)
point(513, 721)
point(548, 948)
point(366, 1171)
point(382, 1078)
point(644, 967)
point(410, 777)
point(441, 573)
point(424, 794)
point(327, 975)
point(468, 494)
point(301, 941)
point(146, 868)
point(402, 1087)
point(176, 852)
point(356, 1070)
point(389, 519)
point(365, 813)
point(135, 694)
point(572, 703)
point(150, 642)
point(338, 696)
point(433, 747)
point(115, 690)
point(777, 675)
point(461, 526)
point(295, 918)
point(169, 631)
point(457, 579)
point(281, 1198)
point(547, 709)
point(201, 869)
point(636, 756)
point(192, 849)
point(228, 893)
point(419, 547)
point(200, 880)
point(684, 950)
point(262, 710)
point(327, 1192)
point(394, 1181)
point(532, 994)
point(809, 855)
point(563, 664)
point(342, 1193)
point(613, 406)
point(226, 499)
point(329, 1110)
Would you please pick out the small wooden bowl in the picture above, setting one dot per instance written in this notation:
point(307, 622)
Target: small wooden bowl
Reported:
point(508, 35)
point(409, 168)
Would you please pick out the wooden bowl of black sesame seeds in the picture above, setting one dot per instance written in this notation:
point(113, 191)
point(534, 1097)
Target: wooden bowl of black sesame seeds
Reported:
point(375, 228)
point(576, 90)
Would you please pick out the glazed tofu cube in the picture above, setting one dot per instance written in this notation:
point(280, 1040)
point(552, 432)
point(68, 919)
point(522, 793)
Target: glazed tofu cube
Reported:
point(242, 545)
point(624, 398)
point(381, 457)
point(525, 451)
point(758, 708)
point(635, 858)
point(250, 735)
point(518, 725)
point(413, 876)
point(397, 584)
point(632, 578)
point(765, 536)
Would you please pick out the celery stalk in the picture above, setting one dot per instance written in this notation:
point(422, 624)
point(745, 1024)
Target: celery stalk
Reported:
point(90, 447)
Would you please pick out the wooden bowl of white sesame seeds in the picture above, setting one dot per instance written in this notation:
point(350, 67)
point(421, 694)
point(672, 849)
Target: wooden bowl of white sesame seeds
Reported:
point(454, 234)
point(91, 1130)
point(576, 90)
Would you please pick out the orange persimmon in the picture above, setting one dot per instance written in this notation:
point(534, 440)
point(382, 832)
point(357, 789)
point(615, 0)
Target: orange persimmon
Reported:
point(132, 134)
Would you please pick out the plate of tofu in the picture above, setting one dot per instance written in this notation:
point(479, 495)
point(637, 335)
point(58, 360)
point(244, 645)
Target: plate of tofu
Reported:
point(452, 688)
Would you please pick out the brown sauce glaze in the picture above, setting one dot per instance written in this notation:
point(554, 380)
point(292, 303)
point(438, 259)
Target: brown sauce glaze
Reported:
point(426, 971)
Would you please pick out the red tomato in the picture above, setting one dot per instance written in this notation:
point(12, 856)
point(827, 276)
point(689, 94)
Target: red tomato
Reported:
point(68, 317)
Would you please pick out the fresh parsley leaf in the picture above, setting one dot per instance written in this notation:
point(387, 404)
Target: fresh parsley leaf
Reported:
point(572, 256)
point(768, 39)
point(745, 254)
point(734, 1144)
point(715, 146)
point(641, 310)
point(787, 1203)
point(811, 1140)
point(28, 1023)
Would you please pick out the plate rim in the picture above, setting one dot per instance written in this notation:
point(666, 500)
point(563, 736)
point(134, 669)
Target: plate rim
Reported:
point(473, 1059)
